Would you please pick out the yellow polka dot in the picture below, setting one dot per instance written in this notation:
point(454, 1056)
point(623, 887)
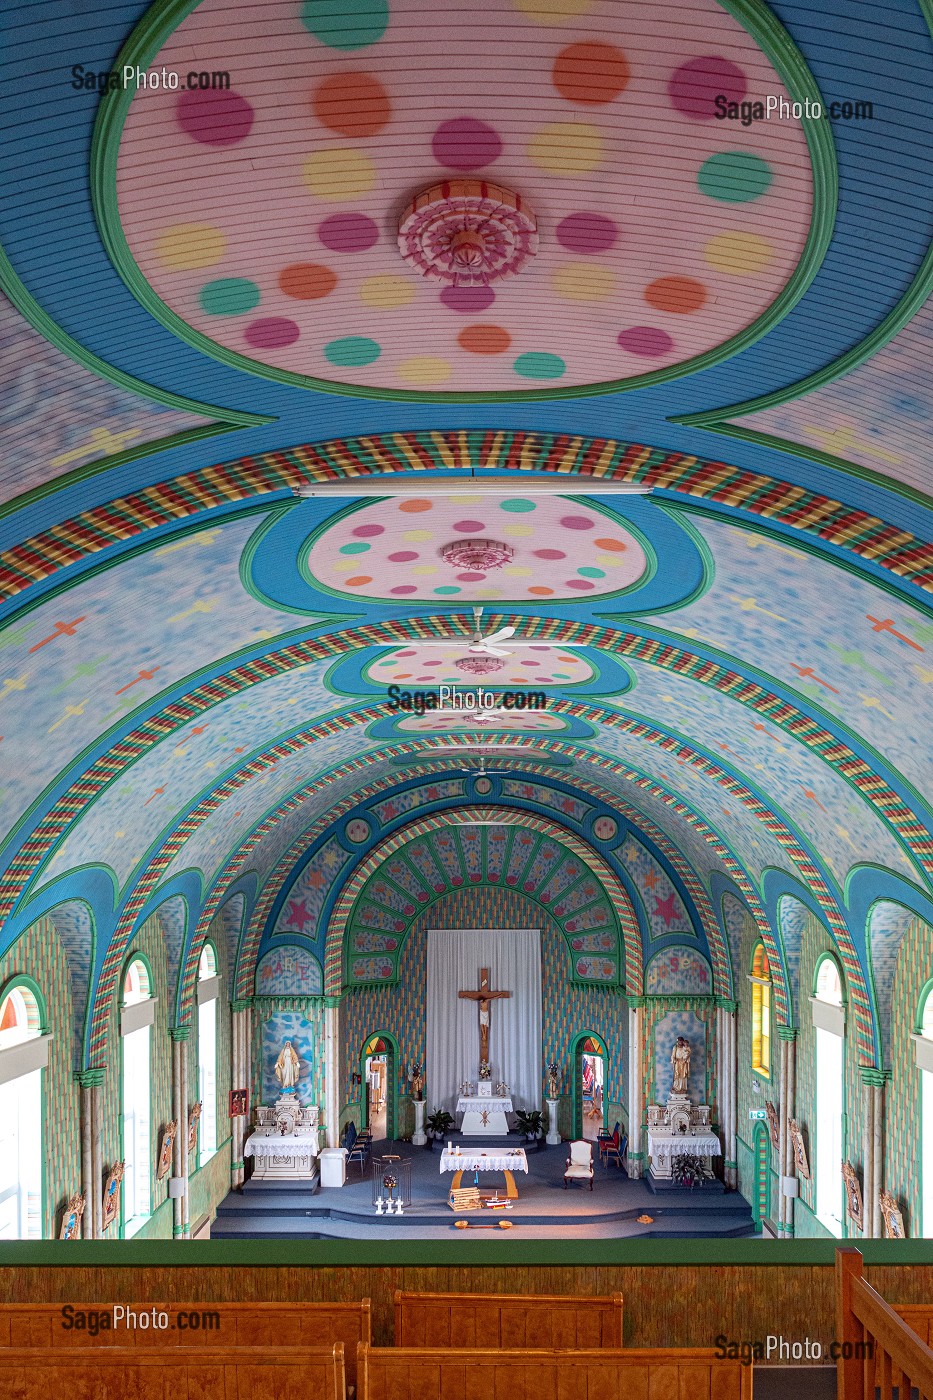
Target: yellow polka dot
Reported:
point(742, 254)
point(566, 148)
point(516, 571)
point(488, 593)
point(582, 281)
point(343, 566)
point(386, 292)
point(552, 11)
point(423, 369)
point(339, 174)
point(417, 536)
point(185, 247)
point(424, 569)
point(609, 561)
point(518, 530)
point(466, 500)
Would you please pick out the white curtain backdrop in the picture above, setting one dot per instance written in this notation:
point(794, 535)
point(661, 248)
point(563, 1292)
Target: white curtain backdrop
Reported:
point(455, 957)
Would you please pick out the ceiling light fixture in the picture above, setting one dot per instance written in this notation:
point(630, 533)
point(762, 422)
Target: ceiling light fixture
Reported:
point(401, 485)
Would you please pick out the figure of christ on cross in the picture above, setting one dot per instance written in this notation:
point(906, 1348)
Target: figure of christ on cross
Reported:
point(484, 996)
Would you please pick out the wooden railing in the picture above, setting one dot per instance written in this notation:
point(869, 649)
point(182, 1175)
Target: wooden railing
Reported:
point(508, 1320)
point(881, 1355)
point(919, 1318)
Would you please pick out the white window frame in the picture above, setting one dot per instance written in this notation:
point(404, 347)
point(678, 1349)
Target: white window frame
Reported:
point(137, 1018)
point(208, 996)
point(829, 1027)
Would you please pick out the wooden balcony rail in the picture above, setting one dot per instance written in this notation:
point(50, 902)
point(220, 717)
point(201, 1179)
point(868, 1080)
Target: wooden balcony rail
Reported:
point(882, 1357)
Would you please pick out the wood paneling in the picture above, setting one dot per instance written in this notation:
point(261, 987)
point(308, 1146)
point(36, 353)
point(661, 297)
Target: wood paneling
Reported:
point(919, 1317)
point(412, 1373)
point(508, 1320)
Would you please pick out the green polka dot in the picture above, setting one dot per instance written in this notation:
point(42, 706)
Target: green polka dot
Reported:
point(352, 350)
point(356, 547)
point(587, 571)
point(561, 676)
point(343, 26)
point(537, 364)
point(230, 296)
point(448, 588)
point(736, 177)
point(520, 507)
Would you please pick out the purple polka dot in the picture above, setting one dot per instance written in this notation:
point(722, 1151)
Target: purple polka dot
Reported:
point(406, 653)
point(402, 556)
point(433, 663)
point(465, 144)
point(576, 522)
point(550, 554)
point(365, 531)
point(586, 233)
point(581, 584)
point(348, 233)
point(471, 578)
point(531, 663)
point(271, 333)
point(404, 588)
point(468, 299)
point(649, 341)
point(469, 527)
point(214, 118)
point(695, 86)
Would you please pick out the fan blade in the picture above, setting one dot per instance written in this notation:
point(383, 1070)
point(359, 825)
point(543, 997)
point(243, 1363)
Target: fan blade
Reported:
point(484, 649)
point(502, 635)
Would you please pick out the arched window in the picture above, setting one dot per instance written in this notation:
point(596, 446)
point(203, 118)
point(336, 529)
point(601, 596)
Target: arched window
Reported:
point(761, 1013)
point(137, 1016)
point(925, 1058)
point(21, 1149)
point(829, 1026)
point(208, 992)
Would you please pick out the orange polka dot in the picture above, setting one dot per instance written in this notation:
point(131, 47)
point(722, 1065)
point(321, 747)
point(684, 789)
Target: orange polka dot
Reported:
point(590, 73)
point(358, 580)
point(355, 104)
point(618, 545)
point(540, 590)
point(413, 507)
point(680, 294)
point(307, 281)
point(484, 340)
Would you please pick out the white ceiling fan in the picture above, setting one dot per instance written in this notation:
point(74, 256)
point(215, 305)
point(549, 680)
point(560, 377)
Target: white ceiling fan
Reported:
point(489, 646)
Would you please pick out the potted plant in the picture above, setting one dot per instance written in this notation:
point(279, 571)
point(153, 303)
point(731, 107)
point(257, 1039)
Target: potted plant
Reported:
point(531, 1124)
point(437, 1124)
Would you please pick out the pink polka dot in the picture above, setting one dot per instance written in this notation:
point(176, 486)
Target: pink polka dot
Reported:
point(365, 531)
point(649, 341)
point(271, 333)
point(586, 233)
point(583, 585)
point(469, 527)
point(465, 144)
point(695, 86)
point(402, 556)
point(549, 554)
point(531, 663)
point(348, 233)
point(404, 588)
point(214, 118)
point(576, 522)
point(406, 653)
point(468, 299)
point(471, 578)
point(433, 663)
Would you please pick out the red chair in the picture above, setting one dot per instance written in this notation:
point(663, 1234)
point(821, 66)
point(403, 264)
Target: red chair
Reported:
point(612, 1146)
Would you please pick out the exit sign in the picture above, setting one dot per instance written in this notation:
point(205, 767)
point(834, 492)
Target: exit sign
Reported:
point(757, 1113)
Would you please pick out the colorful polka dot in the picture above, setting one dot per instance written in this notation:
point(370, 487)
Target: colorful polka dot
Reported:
point(540, 590)
point(582, 585)
point(348, 233)
point(549, 554)
point(588, 572)
point(741, 254)
point(387, 292)
point(271, 333)
point(552, 11)
point(186, 247)
point(355, 547)
point(307, 281)
point(469, 527)
point(538, 364)
point(358, 580)
point(424, 369)
point(518, 505)
point(352, 350)
point(413, 507)
point(352, 104)
point(448, 588)
point(580, 281)
point(566, 148)
point(518, 531)
point(586, 233)
point(343, 26)
point(468, 300)
point(695, 86)
point(339, 174)
point(465, 143)
point(424, 569)
point(403, 589)
point(735, 177)
point(368, 532)
point(576, 522)
point(230, 296)
point(484, 340)
point(613, 545)
point(471, 577)
point(649, 341)
point(403, 556)
point(590, 73)
point(682, 295)
point(214, 118)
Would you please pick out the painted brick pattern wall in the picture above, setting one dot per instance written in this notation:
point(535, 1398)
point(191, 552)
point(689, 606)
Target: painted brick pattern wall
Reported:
point(903, 1166)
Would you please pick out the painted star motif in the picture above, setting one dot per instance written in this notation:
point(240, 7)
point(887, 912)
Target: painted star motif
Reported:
point(666, 908)
point(298, 915)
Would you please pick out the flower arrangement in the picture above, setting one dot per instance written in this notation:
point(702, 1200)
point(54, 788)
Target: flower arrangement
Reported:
point(485, 1070)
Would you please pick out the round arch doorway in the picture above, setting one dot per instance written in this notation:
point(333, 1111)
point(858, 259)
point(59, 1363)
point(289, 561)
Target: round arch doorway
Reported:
point(378, 1060)
point(590, 1071)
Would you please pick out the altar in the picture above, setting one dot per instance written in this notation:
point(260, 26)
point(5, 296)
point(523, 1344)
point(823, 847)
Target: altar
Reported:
point(484, 1115)
point(506, 1161)
point(281, 1156)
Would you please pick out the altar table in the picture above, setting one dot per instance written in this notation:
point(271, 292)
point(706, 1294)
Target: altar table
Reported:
point(283, 1156)
point(506, 1161)
point(484, 1115)
point(663, 1147)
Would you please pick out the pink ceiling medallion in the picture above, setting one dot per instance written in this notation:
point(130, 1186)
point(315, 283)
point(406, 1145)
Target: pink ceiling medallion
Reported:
point(477, 555)
point(479, 665)
point(467, 232)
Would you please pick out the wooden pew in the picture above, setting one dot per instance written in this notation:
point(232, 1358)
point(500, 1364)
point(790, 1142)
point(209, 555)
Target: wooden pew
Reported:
point(881, 1352)
point(272, 1325)
point(507, 1320)
point(415, 1373)
point(153, 1373)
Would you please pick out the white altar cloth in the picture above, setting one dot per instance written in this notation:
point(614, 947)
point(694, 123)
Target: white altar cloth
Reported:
point(467, 1104)
point(484, 1117)
point(668, 1145)
point(510, 1160)
point(264, 1143)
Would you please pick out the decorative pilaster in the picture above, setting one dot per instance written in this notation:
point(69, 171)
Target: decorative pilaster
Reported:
point(787, 1110)
point(240, 1017)
point(636, 1087)
point(873, 1081)
point(726, 1046)
point(178, 1187)
point(331, 1071)
point(90, 1081)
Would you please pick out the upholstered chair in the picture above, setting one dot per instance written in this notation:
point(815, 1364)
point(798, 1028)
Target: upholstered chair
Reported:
point(580, 1163)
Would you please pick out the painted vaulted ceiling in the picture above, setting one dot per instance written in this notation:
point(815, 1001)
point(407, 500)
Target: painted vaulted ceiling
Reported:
point(208, 306)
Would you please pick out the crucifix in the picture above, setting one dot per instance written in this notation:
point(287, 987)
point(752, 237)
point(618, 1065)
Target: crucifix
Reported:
point(484, 996)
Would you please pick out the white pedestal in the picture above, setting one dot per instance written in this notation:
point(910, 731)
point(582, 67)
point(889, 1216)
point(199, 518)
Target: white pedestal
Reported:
point(419, 1137)
point(333, 1166)
point(553, 1136)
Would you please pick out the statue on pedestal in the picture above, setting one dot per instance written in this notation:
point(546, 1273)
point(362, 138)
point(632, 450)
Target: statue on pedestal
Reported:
point(288, 1068)
point(680, 1063)
point(553, 1071)
point(416, 1076)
